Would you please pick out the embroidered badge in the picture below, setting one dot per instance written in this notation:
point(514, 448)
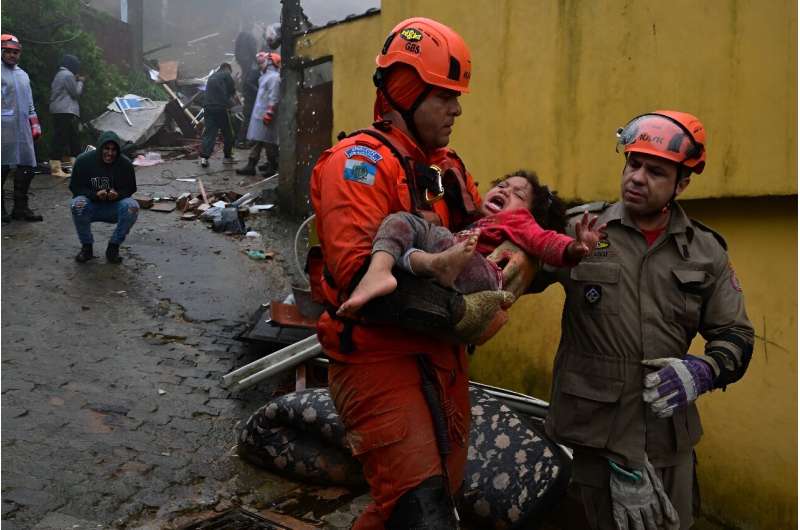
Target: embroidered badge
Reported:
point(360, 171)
point(603, 249)
point(592, 294)
point(364, 151)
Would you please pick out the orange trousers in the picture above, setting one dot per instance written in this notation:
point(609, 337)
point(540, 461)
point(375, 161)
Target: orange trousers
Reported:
point(390, 430)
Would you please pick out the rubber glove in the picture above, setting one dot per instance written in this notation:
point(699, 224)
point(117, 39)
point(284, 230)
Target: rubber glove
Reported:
point(36, 129)
point(638, 500)
point(267, 117)
point(676, 383)
point(484, 315)
point(518, 268)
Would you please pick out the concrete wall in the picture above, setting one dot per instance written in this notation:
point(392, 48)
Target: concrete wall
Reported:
point(552, 80)
point(748, 455)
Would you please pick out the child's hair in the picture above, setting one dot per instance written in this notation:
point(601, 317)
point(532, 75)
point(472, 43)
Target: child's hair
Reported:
point(547, 208)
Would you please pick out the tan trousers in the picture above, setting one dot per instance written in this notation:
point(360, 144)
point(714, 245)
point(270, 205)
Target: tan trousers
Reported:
point(591, 473)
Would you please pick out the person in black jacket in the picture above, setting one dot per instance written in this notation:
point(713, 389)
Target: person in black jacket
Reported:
point(249, 90)
point(220, 90)
point(102, 184)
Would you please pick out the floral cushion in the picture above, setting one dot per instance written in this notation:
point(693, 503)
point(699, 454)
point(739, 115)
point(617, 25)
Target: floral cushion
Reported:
point(513, 473)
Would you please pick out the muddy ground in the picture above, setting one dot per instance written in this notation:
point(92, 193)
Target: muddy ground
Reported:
point(112, 411)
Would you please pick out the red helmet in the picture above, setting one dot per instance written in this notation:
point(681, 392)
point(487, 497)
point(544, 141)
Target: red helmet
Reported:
point(438, 54)
point(676, 136)
point(10, 42)
point(267, 58)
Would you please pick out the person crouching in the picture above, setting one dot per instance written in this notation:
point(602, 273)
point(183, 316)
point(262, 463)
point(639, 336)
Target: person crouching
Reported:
point(102, 184)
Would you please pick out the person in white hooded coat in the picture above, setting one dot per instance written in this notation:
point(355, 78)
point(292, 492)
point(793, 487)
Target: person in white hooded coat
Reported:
point(20, 130)
point(263, 125)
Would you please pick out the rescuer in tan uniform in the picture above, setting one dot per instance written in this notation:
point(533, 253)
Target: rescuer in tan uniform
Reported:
point(624, 386)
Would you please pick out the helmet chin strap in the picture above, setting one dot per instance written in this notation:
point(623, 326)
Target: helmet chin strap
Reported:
point(408, 114)
point(678, 178)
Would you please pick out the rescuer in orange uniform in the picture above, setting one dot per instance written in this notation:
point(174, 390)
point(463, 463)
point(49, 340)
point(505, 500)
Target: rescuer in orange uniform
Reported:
point(399, 164)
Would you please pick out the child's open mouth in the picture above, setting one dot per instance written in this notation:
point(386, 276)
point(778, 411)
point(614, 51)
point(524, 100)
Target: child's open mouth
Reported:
point(495, 204)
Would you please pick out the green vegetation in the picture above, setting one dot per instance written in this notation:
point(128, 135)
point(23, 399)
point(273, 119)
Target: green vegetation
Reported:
point(48, 29)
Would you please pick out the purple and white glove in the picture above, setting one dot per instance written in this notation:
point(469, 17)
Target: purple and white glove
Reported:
point(676, 383)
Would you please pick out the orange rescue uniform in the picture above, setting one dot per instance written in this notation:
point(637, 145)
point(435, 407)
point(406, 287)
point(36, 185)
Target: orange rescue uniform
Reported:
point(376, 387)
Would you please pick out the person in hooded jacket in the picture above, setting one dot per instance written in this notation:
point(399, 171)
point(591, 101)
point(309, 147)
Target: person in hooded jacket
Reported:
point(102, 184)
point(65, 90)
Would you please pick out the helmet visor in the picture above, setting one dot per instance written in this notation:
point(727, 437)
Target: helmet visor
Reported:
point(659, 136)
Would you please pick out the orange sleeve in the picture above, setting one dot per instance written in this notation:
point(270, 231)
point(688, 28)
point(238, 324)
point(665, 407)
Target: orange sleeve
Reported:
point(473, 189)
point(351, 196)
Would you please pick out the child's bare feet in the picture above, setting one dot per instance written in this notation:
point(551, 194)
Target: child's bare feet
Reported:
point(377, 281)
point(445, 266)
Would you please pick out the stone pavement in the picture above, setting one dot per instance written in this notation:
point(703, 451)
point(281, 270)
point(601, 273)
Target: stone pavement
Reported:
point(112, 412)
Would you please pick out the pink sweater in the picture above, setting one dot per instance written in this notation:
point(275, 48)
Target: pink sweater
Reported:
point(521, 228)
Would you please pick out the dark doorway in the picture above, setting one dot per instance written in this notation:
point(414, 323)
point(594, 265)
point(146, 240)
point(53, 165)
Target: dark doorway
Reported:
point(314, 123)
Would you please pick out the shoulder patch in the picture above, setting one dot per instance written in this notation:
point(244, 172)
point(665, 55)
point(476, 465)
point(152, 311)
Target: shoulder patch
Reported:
point(591, 207)
point(363, 151)
point(360, 171)
point(717, 236)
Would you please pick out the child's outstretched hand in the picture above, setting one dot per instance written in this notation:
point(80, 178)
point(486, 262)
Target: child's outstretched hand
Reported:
point(586, 237)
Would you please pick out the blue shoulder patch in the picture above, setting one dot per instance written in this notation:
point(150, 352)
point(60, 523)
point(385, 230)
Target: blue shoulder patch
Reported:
point(360, 171)
point(364, 151)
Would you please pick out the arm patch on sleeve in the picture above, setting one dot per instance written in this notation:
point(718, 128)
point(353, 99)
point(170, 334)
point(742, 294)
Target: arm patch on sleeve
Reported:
point(365, 152)
point(360, 171)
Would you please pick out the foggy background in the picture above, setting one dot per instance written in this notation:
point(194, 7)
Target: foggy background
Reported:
point(177, 22)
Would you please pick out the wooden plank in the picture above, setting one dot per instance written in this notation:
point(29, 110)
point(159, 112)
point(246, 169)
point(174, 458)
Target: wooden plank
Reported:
point(202, 190)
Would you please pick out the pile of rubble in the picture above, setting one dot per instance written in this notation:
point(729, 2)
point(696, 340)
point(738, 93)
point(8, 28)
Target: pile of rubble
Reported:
point(224, 209)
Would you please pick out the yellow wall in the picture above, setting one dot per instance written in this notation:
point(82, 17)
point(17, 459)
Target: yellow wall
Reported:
point(748, 455)
point(552, 80)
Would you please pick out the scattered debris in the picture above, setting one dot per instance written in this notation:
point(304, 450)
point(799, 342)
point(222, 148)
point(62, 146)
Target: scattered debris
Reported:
point(202, 190)
point(257, 254)
point(164, 206)
point(132, 127)
point(256, 208)
point(144, 201)
point(151, 158)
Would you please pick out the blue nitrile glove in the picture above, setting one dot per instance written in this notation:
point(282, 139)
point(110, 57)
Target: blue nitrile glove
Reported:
point(676, 383)
point(639, 501)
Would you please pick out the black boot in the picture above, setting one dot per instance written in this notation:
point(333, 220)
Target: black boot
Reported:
point(249, 169)
point(112, 253)
point(6, 216)
point(85, 254)
point(271, 167)
point(22, 182)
